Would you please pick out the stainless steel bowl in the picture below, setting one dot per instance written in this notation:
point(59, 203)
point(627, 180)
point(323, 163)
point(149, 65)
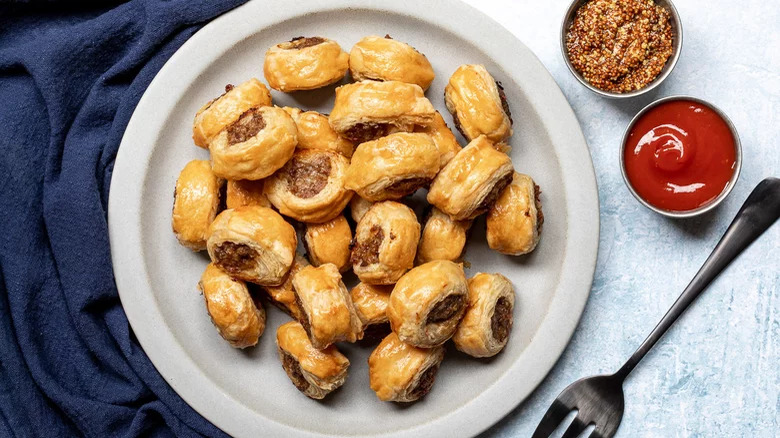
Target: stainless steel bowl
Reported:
point(677, 35)
point(708, 206)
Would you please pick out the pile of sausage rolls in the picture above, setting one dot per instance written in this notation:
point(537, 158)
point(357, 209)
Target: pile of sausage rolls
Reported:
point(282, 178)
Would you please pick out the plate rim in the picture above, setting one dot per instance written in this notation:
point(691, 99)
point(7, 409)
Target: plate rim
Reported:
point(139, 304)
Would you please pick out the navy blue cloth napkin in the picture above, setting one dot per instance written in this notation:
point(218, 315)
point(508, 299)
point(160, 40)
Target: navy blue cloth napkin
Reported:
point(70, 78)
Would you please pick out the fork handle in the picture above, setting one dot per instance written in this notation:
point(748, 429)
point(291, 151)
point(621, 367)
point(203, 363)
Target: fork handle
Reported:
point(758, 213)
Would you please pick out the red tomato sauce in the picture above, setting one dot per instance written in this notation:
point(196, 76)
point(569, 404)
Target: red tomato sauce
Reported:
point(679, 155)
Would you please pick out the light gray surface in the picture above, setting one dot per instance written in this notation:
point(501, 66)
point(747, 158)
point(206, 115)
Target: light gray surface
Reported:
point(717, 372)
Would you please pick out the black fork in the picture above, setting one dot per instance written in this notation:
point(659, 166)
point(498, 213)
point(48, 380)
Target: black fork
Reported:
point(598, 400)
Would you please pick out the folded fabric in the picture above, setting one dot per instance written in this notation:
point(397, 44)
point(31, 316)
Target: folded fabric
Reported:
point(70, 78)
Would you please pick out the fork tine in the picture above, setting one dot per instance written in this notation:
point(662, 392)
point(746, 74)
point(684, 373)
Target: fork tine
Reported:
point(595, 434)
point(575, 428)
point(552, 418)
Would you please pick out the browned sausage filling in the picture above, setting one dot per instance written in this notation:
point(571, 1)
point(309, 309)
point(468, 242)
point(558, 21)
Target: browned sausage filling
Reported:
point(501, 321)
point(298, 43)
point(375, 332)
point(247, 126)
point(308, 178)
point(456, 121)
point(539, 214)
point(425, 383)
point(362, 132)
point(304, 319)
point(493, 195)
point(234, 257)
point(447, 308)
point(293, 369)
point(367, 252)
point(504, 103)
point(406, 186)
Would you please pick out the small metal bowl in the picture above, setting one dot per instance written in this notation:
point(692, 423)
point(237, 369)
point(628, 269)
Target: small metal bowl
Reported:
point(677, 35)
point(708, 206)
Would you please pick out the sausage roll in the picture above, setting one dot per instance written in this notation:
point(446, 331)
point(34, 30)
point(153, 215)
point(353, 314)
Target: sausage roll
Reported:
point(443, 138)
point(254, 146)
point(442, 238)
point(326, 307)
point(367, 110)
point(428, 302)
point(370, 303)
point(310, 187)
point(400, 372)
point(514, 222)
point(221, 112)
point(314, 372)
point(485, 327)
point(283, 296)
point(358, 207)
point(252, 244)
point(385, 243)
point(393, 166)
point(478, 104)
point(196, 200)
point(385, 59)
point(470, 183)
point(233, 312)
point(245, 192)
point(314, 132)
point(329, 242)
point(304, 64)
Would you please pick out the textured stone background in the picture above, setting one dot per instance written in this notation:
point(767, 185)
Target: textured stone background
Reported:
point(717, 372)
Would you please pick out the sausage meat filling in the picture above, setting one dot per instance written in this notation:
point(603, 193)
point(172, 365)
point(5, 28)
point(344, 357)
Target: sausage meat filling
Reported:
point(501, 321)
point(293, 369)
point(367, 252)
point(425, 383)
point(362, 132)
point(504, 103)
point(406, 186)
point(539, 214)
point(493, 195)
point(247, 126)
point(298, 43)
point(307, 178)
point(446, 308)
point(234, 257)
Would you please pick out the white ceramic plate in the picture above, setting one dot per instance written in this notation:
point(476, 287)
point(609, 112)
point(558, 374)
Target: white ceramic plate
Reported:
point(246, 393)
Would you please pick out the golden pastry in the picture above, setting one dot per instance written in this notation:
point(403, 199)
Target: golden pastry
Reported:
point(314, 132)
point(305, 64)
point(386, 59)
point(443, 138)
point(329, 242)
point(514, 222)
point(478, 104)
point(367, 110)
point(370, 303)
point(254, 146)
point(283, 296)
point(221, 112)
point(428, 302)
point(252, 244)
point(393, 166)
point(400, 372)
point(314, 372)
point(469, 184)
point(442, 238)
point(195, 203)
point(231, 308)
point(385, 243)
point(245, 192)
point(310, 187)
point(484, 329)
point(328, 313)
point(358, 207)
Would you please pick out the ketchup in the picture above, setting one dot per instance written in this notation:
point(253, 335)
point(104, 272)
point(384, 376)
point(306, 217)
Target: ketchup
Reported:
point(679, 155)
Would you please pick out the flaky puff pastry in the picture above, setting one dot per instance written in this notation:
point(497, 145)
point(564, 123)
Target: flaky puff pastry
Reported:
point(219, 113)
point(252, 243)
point(514, 222)
point(195, 203)
point(484, 329)
point(254, 146)
point(443, 138)
point(231, 308)
point(314, 372)
point(367, 110)
point(428, 302)
point(442, 238)
point(314, 132)
point(478, 104)
point(470, 183)
point(370, 301)
point(245, 192)
point(400, 372)
point(385, 243)
point(283, 296)
point(386, 59)
point(329, 242)
point(328, 315)
point(310, 187)
point(393, 166)
point(358, 207)
point(305, 64)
